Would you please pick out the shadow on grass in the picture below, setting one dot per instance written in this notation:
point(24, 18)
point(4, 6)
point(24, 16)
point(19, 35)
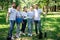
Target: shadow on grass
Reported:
point(55, 23)
point(3, 33)
point(2, 19)
point(50, 35)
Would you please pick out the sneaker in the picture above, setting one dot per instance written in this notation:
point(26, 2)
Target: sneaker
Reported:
point(12, 38)
point(30, 35)
point(9, 38)
point(23, 34)
point(17, 36)
point(20, 33)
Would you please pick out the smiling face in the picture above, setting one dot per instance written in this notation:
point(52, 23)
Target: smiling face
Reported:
point(25, 9)
point(35, 6)
point(31, 8)
point(18, 8)
point(13, 5)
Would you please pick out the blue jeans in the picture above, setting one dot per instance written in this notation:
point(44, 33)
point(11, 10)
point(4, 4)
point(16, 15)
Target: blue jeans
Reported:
point(37, 26)
point(30, 26)
point(18, 21)
point(17, 29)
point(12, 23)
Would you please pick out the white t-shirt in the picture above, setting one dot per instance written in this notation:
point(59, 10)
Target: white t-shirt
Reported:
point(30, 14)
point(24, 14)
point(18, 14)
point(37, 13)
point(12, 12)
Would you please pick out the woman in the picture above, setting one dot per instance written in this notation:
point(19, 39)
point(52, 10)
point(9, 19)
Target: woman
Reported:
point(18, 20)
point(30, 21)
point(24, 23)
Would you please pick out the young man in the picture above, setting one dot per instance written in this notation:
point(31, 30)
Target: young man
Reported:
point(37, 19)
point(12, 16)
point(30, 21)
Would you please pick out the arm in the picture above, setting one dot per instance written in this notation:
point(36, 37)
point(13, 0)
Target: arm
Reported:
point(7, 16)
point(43, 12)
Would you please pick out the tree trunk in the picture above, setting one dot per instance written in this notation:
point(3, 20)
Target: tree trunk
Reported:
point(7, 4)
point(2, 7)
point(47, 6)
point(55, 7)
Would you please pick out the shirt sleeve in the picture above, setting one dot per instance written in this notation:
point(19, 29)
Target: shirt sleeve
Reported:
point(9, 10)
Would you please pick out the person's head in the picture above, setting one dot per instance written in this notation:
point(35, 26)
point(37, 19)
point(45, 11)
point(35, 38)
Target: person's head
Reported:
point(35, 6)
point(31, 8)
point(25, 9)
point(18, 7)
point(13, 4)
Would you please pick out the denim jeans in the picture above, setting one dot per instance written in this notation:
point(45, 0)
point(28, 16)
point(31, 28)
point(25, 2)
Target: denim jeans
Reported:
point(17, 29)
point(18, 21)
point(12, 23)
point(30, 26)
point(24, 25)
point(37, 26)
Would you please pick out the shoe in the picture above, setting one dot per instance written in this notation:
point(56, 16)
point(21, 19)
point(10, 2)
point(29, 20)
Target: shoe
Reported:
point(29, 34)
point(12, 38)
point(9, 38)
point(20, 33)
point(17, 36)
point(23, 34)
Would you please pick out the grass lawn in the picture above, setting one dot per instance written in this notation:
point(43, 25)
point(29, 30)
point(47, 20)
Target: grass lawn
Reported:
point(51, 26)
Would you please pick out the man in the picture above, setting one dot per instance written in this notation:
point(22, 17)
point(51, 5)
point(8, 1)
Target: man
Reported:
point(12, 16)
point(37, 20)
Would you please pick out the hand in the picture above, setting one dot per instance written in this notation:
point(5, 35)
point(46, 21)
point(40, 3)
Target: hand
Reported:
point(7, 20)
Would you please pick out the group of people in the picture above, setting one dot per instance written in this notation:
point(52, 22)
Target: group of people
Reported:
point(26, 17)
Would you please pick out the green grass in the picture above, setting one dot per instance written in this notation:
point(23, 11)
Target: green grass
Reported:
point(51, 25)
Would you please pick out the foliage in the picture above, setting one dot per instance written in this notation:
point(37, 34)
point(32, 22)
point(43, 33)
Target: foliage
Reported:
point(5, 3)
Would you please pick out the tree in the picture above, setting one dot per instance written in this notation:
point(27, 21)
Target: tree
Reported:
point(55, 7)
